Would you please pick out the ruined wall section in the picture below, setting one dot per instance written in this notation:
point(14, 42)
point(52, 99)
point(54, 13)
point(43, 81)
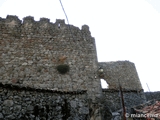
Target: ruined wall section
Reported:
point(152, 95)
point(31, 50)
point(125, 71)
point(131, 98)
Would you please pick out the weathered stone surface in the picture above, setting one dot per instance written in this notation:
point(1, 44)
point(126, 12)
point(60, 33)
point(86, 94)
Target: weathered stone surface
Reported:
point(17, 108)
point(84, 110)
point(116, 116)
point(73, 104)
point(31, 50)
point(29, 54)
point(113, 99)
point(1, 116)
point(152, 95)
point(8, 103)
point(42, 105)
point(123, 72)
point(10, 117)
point(7, 110)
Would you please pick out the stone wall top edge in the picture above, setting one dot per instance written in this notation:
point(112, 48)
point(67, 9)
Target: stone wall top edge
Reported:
point(124, 90)
point(153, 92)
point(113, 62)
point(30, 19)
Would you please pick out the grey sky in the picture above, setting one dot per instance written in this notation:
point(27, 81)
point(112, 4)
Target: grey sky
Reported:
point(1, 2)
point(155, 4)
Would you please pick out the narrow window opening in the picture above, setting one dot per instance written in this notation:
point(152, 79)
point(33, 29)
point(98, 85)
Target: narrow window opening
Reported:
point(104, 84)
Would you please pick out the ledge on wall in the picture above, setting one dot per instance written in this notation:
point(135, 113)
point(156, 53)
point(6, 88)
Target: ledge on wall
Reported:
point(124, 90)
point(17, 87)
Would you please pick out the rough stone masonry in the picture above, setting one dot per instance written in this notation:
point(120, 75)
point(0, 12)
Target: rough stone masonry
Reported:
point(30, 53)
point(25, 103)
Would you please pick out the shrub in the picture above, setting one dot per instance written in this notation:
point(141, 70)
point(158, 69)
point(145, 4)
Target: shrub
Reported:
point(62, 68)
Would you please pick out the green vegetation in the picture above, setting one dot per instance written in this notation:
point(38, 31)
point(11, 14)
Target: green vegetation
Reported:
point(62, 68)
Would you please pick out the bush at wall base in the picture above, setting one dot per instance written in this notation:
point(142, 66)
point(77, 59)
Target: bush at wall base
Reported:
point(62, 69)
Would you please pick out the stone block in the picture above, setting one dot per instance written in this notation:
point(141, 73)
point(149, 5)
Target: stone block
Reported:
point(30, 108)
point(73, 104)
point(84, 110)
point(1, 116)
point(8, 103)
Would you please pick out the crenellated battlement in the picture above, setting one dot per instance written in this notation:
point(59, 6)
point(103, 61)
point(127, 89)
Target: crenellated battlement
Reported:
point(31, 26)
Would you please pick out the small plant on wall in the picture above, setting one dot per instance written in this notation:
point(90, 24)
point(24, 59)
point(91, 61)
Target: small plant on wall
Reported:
point(62, 69)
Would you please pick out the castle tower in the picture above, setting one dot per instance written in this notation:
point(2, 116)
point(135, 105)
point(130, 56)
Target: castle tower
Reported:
point(31, 51)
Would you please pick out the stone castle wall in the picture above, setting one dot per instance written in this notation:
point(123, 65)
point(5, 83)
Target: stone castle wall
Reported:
point(152, 95)
point(123, 72)
point(31, 50)
point(24, 103)
point(132, 98)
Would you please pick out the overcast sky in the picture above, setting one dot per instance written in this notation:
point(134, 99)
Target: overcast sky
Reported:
point(123, 29)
